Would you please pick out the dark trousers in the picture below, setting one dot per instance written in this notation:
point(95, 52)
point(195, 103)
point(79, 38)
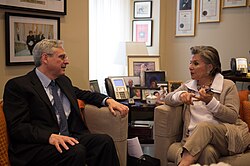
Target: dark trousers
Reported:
point(93, 150)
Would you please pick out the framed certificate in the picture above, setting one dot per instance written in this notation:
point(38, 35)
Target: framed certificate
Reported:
point(234, 3)
point(209, 11)
point(185, 18)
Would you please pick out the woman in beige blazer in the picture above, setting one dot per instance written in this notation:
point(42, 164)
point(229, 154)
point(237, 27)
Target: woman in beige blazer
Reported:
point(211, 110)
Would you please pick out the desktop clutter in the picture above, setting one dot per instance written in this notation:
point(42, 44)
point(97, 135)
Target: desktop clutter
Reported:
point(141, 94)
point(131, 90)
point(240, 67)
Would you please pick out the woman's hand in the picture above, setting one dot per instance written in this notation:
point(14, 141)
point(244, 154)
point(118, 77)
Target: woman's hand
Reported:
point(205, 95)
point(186, 98)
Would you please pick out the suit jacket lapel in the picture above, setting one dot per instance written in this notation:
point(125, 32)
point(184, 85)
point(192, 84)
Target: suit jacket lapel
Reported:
point(38, 87)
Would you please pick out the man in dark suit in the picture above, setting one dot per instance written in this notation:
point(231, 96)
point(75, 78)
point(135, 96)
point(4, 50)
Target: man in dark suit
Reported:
point(30, 41)
point(34, 122)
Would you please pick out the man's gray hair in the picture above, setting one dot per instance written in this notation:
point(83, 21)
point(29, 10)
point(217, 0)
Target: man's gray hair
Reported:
point(45, 46)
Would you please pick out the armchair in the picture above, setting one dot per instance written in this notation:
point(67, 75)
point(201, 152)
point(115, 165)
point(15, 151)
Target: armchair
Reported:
point(98, 120)
point(168, 133)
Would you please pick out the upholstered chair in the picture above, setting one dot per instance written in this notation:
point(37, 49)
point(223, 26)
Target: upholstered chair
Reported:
point(98, 120)
point(168, 134)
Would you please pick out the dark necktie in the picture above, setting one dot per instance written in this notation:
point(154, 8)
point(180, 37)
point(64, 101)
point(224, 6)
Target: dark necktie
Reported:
point(59, 108)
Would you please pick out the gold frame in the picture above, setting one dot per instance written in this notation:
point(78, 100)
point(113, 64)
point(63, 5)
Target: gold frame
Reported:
point(170, 84)
point(142, 59)
point(242, 3)
point(185, 18)
point(209, 12)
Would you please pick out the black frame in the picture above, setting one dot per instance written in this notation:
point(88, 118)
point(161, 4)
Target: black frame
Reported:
point(8, 45)
point(154, 76)
point(33, 9)
point(94, 86)
point(141, 2)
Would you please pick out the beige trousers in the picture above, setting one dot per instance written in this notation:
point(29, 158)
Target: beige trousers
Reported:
point(208, 141)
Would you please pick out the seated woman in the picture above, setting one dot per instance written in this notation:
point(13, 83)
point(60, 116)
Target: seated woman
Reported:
point(212, 127)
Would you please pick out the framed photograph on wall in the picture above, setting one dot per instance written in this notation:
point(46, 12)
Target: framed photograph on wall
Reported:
point(143, 9)
point(209, 11)
point(137, 64)
point(185, 18)
point(42, 6)
point(142, 31)
point(23, 31)
point(234, 3)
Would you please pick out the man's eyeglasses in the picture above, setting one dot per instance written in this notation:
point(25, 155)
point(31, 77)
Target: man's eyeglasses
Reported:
point(62, 57)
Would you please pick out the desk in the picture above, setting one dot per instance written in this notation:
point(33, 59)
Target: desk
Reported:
point(144, 113)
point(237, 78)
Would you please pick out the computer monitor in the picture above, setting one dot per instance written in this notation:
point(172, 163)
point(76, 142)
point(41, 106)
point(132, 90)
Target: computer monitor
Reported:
point(152, 77)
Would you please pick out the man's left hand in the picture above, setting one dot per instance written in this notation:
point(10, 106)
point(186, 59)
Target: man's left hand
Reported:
point(116, 106)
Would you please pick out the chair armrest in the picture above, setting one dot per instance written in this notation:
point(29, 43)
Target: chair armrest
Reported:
point(167, 129)
point(102, 121)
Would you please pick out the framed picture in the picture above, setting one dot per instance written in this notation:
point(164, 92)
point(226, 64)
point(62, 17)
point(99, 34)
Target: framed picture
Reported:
point(137, 64)
point(94, 86)
point(135, 93)
point(142, 31)
point(153, 77)
point(147, 92)
point(209, 11)
point(185, 18)
point(132, 81)
point(23, 31)
point(172, 85)
point(143, 9)
point(234, 3)
point(42, 6)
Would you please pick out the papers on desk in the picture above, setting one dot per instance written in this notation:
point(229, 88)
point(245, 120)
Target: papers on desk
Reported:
point(134, 147)
point(140, 123)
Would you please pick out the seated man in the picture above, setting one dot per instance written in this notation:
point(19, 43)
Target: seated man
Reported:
point(44, 121)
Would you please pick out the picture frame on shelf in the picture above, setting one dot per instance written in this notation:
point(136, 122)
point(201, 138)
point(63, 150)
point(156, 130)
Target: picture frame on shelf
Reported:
point(234, 3)
point(142, 31)
point(94, 86)
point(142, 9)
point(172, 85)
point(137, 64)
point(153, 77)
point(135, 93)
point(132, 81)
point(23, 31)
point(209, 11)
point(44, 6)
point(185, 18)
point(148, 91)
